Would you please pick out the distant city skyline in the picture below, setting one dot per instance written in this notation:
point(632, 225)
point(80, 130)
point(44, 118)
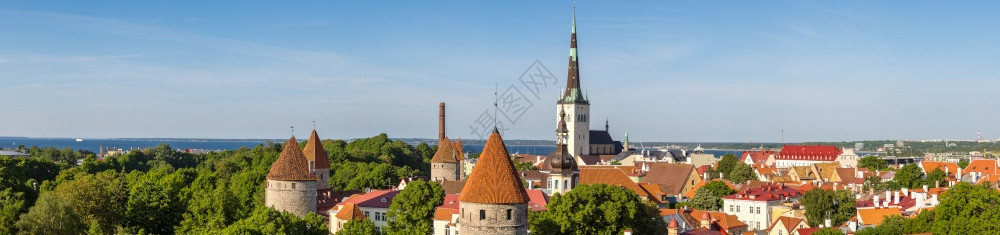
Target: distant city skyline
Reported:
point(663, 71)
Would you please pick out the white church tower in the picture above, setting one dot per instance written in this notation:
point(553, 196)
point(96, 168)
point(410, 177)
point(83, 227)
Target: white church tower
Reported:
point(575, 104)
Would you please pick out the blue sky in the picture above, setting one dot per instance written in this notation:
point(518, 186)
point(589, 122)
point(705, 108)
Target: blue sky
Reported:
point(664, 70)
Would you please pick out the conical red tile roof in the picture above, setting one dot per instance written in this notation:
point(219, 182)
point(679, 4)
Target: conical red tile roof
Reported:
point(494, 179)
point(291, 164)
point(445, 152)
point(314, 152)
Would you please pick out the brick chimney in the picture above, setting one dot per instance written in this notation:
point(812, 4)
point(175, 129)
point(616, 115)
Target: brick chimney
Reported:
point(441, 122)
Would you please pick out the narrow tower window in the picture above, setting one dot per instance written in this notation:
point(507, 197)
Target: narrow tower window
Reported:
point(509, 212)
point(482, 214)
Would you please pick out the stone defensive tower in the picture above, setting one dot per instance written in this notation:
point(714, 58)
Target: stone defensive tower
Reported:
point(319, 162)
point(290, 185)
point(447, 161)
point(493, 200)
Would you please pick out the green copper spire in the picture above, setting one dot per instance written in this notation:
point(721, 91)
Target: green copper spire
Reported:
point(573, 94)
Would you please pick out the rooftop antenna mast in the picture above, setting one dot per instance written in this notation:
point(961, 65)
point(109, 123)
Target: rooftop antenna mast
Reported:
point(782, 130)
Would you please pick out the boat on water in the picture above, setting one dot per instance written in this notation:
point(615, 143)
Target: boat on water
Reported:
point(79, 140)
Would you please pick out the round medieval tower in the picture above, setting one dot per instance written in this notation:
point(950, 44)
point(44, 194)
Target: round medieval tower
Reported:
point(290, 185)
point(493, 200)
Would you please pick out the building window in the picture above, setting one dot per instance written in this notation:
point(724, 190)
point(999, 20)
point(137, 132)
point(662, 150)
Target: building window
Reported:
point(509, 212)
point(730, 208)
point(366, 214)
point(293, 185)
point(737, 209)
point(482, 214)
point(565, 184)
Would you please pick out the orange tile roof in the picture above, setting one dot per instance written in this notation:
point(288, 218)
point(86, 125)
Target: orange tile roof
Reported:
point(350, 211)
point(986, 166)
point(789, 223)
point(459, 153)
point(949, 167)
point(670, 177)
point(690, 193)
point(609, 176)
point(726, 221)
point(445, 153)
point(291, 165)
point(314, 152)
point(875, 216)
point(494, 180)
point(444, 213)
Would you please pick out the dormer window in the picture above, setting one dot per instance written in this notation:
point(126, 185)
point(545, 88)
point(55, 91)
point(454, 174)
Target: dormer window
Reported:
point(383, 200)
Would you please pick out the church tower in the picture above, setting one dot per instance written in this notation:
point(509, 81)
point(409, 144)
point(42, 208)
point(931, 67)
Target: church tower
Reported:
point(319, 162)
point(493, 200)
point(564, 174)
point(575, 103)
point(290, 185)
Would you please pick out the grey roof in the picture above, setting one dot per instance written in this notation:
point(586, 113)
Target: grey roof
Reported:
point(12, 153)
point(677, 154)
point(600, 137)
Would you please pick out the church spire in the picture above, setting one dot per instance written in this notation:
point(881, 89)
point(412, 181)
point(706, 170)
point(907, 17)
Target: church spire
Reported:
point(573, 94)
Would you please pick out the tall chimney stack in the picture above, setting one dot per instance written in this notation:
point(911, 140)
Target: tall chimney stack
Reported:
point(441, 122)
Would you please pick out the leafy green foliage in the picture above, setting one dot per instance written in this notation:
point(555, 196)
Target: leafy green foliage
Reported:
point(742, 172)
point(891, 225)
point(265, 220)
point(828, 231)
point(936, 177)
point(709, 196)
point(359, 226)
point(727, 164)
point(52, 214)
point(412, 210)
point(597, 209)
point(967, 209)
point(11, 205)
point(909, 176)
point(963, 163)
point(873, 163)
point(819, 202)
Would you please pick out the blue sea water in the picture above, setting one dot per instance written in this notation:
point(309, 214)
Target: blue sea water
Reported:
point(94, 145)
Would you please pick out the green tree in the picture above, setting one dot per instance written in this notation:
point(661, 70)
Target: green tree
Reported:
point(828, 231)
point(598, 209)
point(963, 163)
point(890, 225)
point(742, 172)
point(361, 226)
point(819, 202)
point(936, 177)
point(909, 176)
point(967, 209)
point(11, 206)
point(265, 220)
point(873, 163)
point(875, 183)
point(921, 224)
point(727, 164)
point(709, 196)
point(412, 210)
point(51, 215)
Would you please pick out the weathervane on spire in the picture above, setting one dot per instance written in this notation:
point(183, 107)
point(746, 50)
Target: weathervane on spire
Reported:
point(496, 99)
point(292, 127)
point(314, 123)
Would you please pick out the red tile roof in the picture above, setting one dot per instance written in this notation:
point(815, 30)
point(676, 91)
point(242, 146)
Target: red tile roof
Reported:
point(985, 166)
point(314, 152)
point(670, 177)
point(538, 200)
point(948, 167)
point(373, 199)
point(445, 153)
point(350, 211)
point(767, 192)
point(494, 180)
point(610, 176)
point(809, 152)
point(757, 156)
point(291, 165)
